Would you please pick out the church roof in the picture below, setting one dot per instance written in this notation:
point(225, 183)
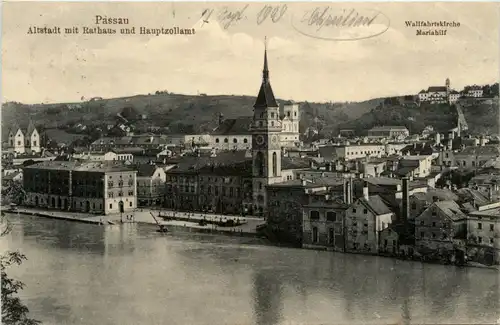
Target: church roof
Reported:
point(265, 98)
point(237, 126)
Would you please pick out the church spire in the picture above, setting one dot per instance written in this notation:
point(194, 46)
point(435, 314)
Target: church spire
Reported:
point(265, 71)
point(265, 98)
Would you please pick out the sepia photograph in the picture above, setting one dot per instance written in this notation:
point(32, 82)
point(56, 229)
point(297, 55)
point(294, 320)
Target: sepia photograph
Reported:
point(260, 163)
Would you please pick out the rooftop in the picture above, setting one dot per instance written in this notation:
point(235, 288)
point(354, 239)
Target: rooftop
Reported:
point(107, 166)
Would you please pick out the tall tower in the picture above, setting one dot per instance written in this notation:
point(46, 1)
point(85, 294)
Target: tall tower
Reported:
point(266, 148)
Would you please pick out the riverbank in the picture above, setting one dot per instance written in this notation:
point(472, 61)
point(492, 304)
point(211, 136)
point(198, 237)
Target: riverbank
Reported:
point(246, 227)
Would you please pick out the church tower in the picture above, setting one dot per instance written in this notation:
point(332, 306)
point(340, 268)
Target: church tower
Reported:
point(266, 148)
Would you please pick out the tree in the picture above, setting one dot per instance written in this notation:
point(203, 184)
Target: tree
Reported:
point(14, 312)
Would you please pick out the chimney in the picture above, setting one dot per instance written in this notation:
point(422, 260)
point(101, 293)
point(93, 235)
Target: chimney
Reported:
point(221, 118)
point(405, 201)
point(344, 189)
point(437, 138)
point(348, 191)
point(366, 194)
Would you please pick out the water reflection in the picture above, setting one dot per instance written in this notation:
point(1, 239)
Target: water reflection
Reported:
point(129, 274)
point(267, 297)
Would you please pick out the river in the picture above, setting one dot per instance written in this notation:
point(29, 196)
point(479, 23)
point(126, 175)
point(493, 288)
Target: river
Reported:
point(129, 274)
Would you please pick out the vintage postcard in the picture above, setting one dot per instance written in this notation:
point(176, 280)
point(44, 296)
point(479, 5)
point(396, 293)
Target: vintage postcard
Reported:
point(206, 163)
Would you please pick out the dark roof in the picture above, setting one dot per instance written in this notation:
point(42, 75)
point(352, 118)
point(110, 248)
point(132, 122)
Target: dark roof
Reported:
point(422, 148)
point(265, 98)
point(237, 126)
point(376, 204)
point(436, 88)
point(146, 170)
point(441, 194)
point(480, 151)
point(451, 209)
point(328, 152)
point(294, 163)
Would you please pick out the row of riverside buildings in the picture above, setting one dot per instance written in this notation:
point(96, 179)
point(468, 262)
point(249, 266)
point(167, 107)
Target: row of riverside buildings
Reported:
point(367, 198)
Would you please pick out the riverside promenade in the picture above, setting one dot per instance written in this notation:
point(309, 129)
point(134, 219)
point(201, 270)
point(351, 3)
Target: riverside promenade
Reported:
point(182, 221)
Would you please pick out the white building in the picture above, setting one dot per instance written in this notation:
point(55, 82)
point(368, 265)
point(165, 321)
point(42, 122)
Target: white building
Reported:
point(236, 134)
point(475, 91)
point(24, 140)
point(439, 94)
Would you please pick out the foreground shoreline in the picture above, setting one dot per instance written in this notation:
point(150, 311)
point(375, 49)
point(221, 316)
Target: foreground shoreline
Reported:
point(184, 227)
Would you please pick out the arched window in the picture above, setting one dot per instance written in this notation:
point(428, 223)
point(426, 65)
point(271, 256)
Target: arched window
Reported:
point(217, 140)
point(259, 163)
point(226, 140)
point(235, 140)
point(245, 140)
point(275, 164)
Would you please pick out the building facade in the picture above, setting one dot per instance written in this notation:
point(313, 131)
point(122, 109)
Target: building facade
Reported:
point(150, 185)
point(81, 187)
point(24, 140)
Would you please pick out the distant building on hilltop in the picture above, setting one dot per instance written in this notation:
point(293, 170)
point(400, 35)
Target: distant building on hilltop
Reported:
point(439, 94)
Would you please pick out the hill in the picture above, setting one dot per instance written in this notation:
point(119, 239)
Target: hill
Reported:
point(481, 118)
point(188, 114)
point(178, 113)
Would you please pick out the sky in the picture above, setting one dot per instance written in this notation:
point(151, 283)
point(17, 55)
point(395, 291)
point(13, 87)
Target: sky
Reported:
point(306, 62)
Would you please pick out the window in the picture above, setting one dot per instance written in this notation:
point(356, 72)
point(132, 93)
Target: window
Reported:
point(331, 216)
point(314, 215)
point(130, 204)
point(18, 143)
point(111, 206)
point(413, 206)
point(385, 242)
point(479, 225)
point(245, 140)
point(314, 234)
point(226, 140)
point(433, 235)
point(331, 236)
point(365, 211)
point(492, 227)
point(275, 164)
point(353, 210)
point(433, 213)
point(479, 240)
point(217, 140)
point(492, 240)
point(235, 140)
point(434, 224)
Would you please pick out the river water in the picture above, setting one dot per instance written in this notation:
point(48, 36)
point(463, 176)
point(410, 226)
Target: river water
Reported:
point(87, 274)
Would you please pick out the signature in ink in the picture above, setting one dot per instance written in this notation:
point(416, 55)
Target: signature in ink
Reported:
point(345, 25)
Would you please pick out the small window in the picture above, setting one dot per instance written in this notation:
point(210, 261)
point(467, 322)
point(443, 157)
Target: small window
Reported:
point(479, 225)
point(111, 206)
point(434, 224)
point(365, 211)
point(413, 206)
point(314, 215)
point(217, 140)
point(235, 140)
point(130, 203)
point(331, 216)
point(480, 239)
point(492, 227)
point(245, 140)
point(353, 210)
